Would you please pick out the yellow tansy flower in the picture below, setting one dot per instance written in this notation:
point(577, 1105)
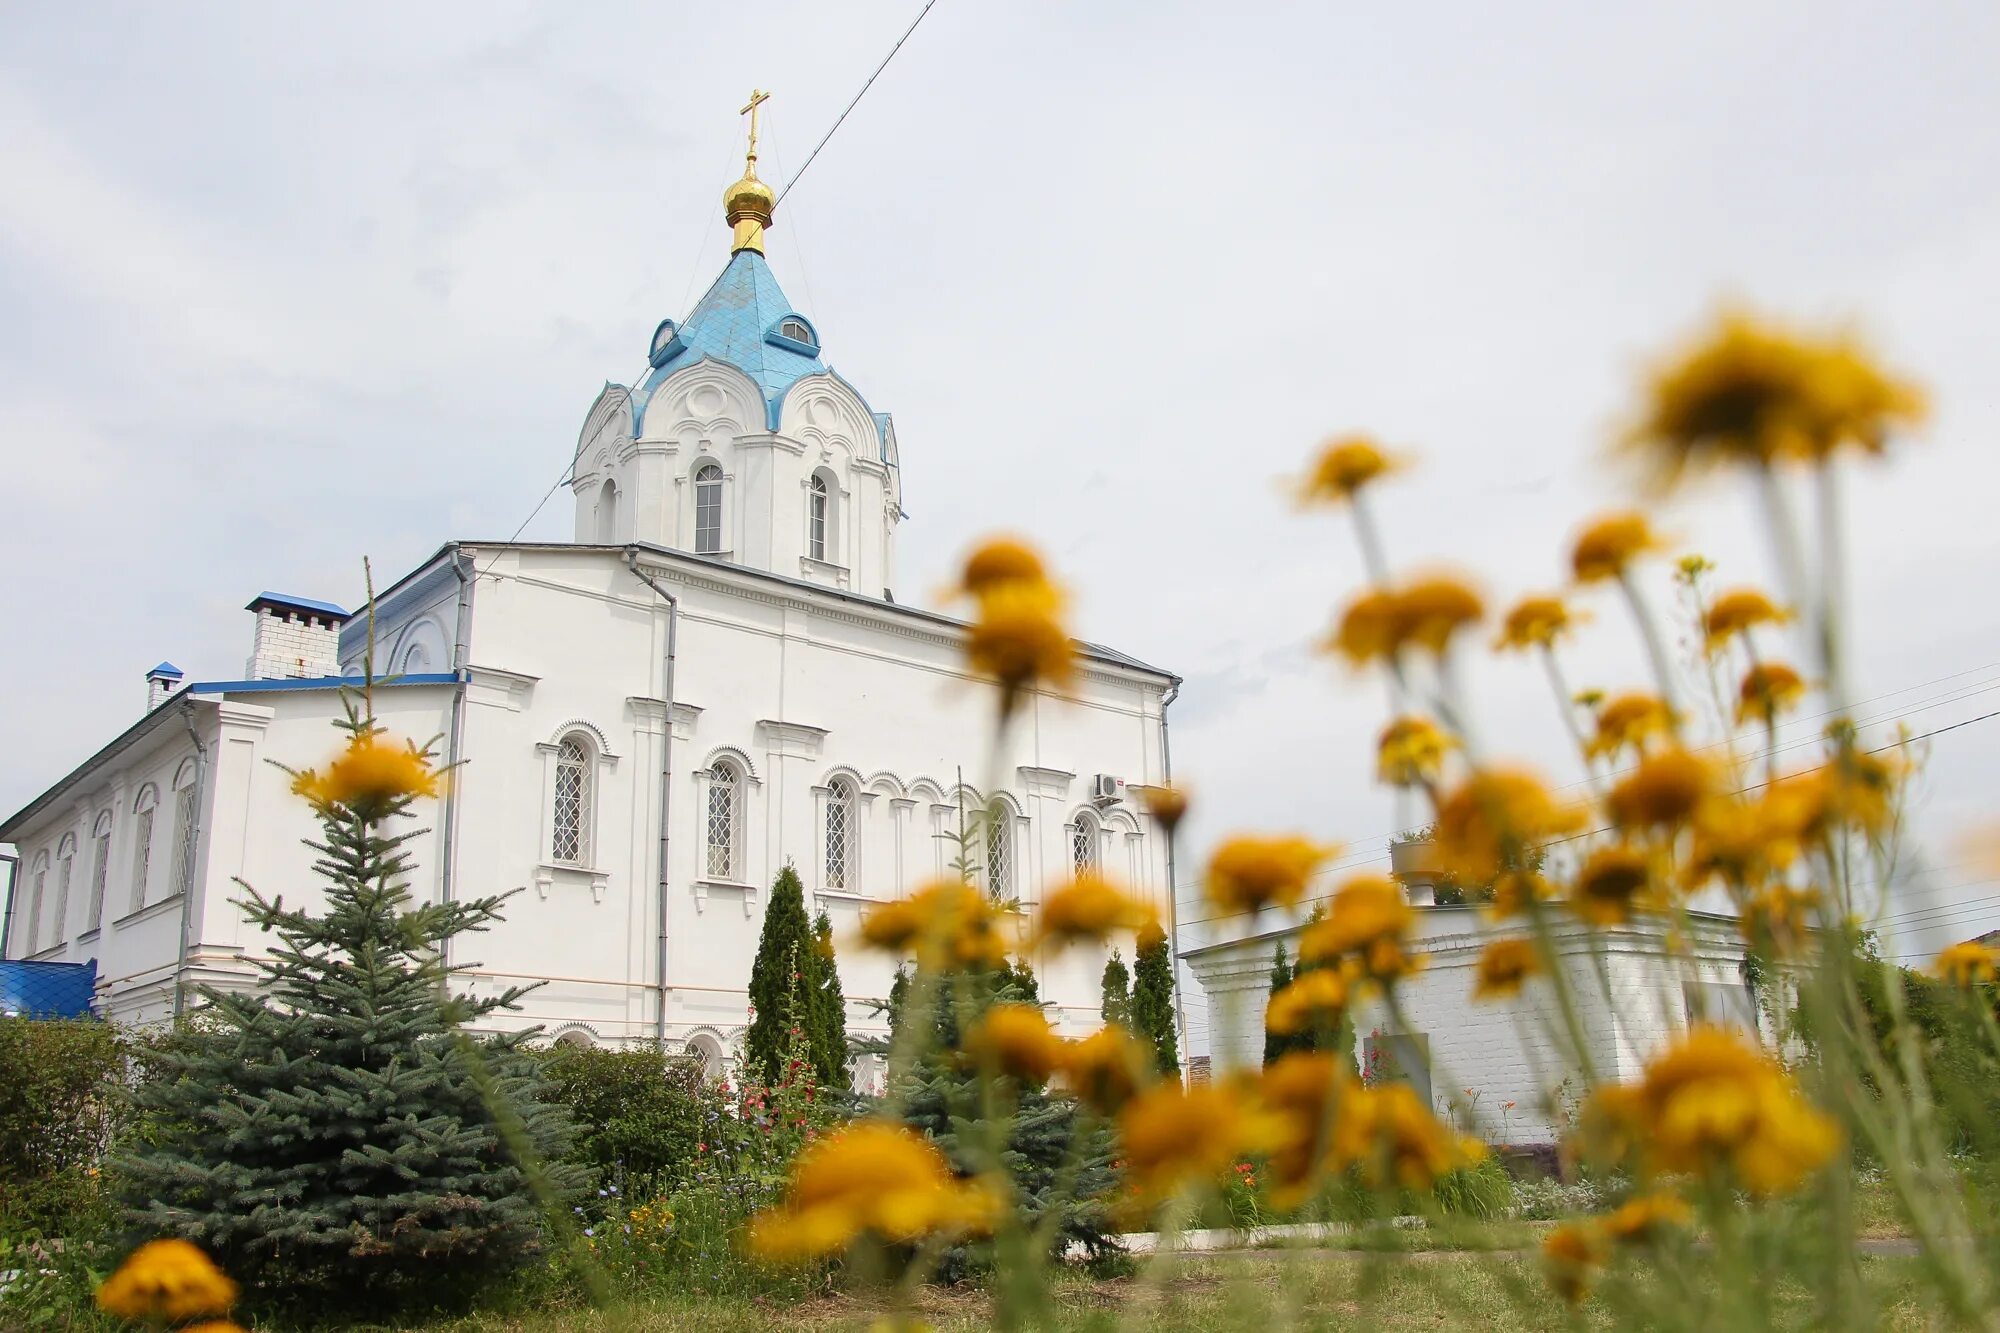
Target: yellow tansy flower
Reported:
point(1639, 1220)
point(1778, 917)
point(869, 1177)
point(1296, 1089)
point(1247, 873)
point(1393, 1139)
point(1737, 612)
point(1169, 805)
point(370, 776)
point(1535, 622)
point(1090, 907)
point(1018, 638)
point(1370, 629)
point(1967, 963)
point(1366, 922)
point(1016, 1039)
point(1571, 1255)
point(1664, 791)
point(1715, 1102)
point(1610, 882)
point(1346, 463)
point(946, 923)
point(1768, 689)
point(1513, 890)
point(1172, 1136)
point(1628, 721)
point(1410, 752)
point(1504, 965)
point(1608, 546)
point(1107, 1068)
point(1432, 609)
point(1493, 818)
point(997, 561)
point(166, 1280)
point(1315, 999)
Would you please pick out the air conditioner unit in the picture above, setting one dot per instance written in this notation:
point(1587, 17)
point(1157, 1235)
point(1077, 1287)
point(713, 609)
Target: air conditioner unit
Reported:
point(1105, 788)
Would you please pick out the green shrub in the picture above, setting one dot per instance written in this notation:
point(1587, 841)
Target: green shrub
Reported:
point(61, 1099)
point(638, 1112)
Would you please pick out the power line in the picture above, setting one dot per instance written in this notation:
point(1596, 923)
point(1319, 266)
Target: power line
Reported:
point(842, 117)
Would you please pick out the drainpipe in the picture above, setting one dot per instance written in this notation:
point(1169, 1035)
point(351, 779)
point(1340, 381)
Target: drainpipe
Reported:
point(666, 769)
point(461, 565)
point(191, 849)
point(1173, 885)
point(13, 882)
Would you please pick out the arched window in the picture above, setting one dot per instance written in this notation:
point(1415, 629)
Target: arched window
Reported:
point(575, 1038)
point(708, 1051)
point(798, 331)
point(841, 834)
point(40, 880)
point(725, 789)
point(816, 503)
point(999, 851)
point(708, 509)
point(607, 513)
point(1083, 842)
point(184, 812)
point(65, 872)
point(142, 841)
point(573, 798)
point(100, 868)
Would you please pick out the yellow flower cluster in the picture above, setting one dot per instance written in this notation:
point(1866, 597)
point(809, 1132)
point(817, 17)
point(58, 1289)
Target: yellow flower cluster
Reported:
point(1493, 818)
point(1751, 392)
point(1630, 722)
point(1016, 1040)
point(1736, 613)
point(1426, 613)
point(1345, 465)
point(1411, 752)
point(1017, 636)
point(871, 1178)
point(1314, 1000)
point(1608, 545)
point(1768, 689)
point(1090, 907)
point(1248, 873)
point(1366, 928)
point(369, 777)
point(1573, 1252)
point(1535, 622)
point(947, 923)
point(1504, 965)
point(1967, 963)
point(1713, 1105)
point(167, 1280)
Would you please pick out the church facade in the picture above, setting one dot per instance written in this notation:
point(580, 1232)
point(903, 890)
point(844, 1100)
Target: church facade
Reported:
point(714, 680)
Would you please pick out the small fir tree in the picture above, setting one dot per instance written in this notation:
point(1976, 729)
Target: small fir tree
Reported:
point(829, 1027)
point(332, 1135)
point(1277, 1044)
point(1153, 1000)
point(781, 985)
point(1117, 1006)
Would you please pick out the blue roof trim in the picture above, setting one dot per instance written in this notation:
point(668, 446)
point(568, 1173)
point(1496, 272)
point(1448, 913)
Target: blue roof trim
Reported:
point(167, 669)
point(319, 683)
point(303, 603)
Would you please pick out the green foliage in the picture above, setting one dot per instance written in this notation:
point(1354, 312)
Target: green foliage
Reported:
point(332, 1136)
point(61, 1098)
point(1117, 1007)
point(783, 979)
point(1057, 1155)
point(1153, 1000)
point(829, 1009)
point(638, 1112)
point(1277, 1044)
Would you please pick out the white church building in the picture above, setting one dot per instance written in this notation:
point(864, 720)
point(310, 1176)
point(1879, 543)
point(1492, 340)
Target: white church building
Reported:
point(715, 679)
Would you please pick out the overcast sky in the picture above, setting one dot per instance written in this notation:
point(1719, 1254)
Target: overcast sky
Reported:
point(288, 284)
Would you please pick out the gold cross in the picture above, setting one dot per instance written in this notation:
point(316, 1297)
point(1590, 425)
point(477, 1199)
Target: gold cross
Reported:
point(757, 98)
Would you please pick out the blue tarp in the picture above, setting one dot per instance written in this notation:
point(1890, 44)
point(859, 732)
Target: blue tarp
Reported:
point(47, 990)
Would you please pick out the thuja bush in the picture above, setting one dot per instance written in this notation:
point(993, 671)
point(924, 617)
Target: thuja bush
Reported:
point(638, 1113)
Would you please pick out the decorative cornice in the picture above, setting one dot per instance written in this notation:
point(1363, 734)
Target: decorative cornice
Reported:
point(685, 718)
point(1050, 782)
point(792, 740)
point(770, 440)
point(499, 689)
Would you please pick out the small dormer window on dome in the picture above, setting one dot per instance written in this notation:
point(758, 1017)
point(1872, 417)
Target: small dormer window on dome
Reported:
point(666, 343)
point(793, 333)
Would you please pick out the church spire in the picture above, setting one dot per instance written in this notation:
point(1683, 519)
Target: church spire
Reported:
point(749, 203)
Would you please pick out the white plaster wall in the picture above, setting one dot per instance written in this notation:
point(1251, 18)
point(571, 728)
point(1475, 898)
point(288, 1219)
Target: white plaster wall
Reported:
point(1500, 1050)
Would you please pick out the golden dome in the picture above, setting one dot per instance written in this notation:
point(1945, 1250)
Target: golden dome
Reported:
point(749, 204)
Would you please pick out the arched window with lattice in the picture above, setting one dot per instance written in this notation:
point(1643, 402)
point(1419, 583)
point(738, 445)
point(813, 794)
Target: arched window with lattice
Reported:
point(144, 807)
point(100, 870)
point(842, 832)
point(708, 509)
point(185, 797)
point(1000, 851)
point(65, 873)
point(724, 820)
point(1083, 842)
point(573, 801)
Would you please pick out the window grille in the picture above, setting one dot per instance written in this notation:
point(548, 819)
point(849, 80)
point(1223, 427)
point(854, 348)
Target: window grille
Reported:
point(1083, 844)
point(999, 853)
point(816, 526)
point(184, 836)
point(100, 869)
point(708, 510)
point(65, 871)
point(35, 906)
point(840, 832)
point(797, 331)
point(722, 823)
point(571, 843)
point(142, 851)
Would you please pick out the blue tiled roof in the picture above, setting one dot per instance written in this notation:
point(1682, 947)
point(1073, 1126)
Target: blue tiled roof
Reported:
point(731, 324)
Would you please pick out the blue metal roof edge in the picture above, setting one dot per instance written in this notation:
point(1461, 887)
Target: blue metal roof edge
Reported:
point(303, 603)
point(318, 683)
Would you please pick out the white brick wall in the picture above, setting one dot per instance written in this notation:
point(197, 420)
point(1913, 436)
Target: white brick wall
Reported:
point(292, 645)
